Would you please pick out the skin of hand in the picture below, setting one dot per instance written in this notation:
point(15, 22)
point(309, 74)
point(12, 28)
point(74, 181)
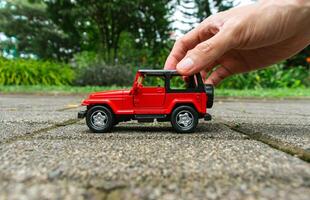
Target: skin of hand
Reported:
point(243, 39)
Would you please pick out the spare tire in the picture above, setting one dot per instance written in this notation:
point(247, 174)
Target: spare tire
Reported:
point(210, 93)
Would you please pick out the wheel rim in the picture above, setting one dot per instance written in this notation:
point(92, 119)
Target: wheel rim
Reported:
point(99, 119)
point(185, 119)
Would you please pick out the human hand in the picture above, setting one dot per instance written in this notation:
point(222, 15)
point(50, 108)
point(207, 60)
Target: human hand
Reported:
point(243, 39)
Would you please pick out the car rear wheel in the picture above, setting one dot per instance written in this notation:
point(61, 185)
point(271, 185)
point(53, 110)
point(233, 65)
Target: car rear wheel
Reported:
point(99, 119)
point(184, 119)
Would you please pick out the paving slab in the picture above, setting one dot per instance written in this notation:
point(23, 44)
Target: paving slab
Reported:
point(23, 114)
point(287, 120)
point(273, 112)
point(37, 108)
point(9, 130)
point(26, 101)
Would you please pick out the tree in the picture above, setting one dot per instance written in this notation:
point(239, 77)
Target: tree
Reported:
point(33, 32)
point(205, 7)
point(100, 24)
point(189, 11)
point(195, 11)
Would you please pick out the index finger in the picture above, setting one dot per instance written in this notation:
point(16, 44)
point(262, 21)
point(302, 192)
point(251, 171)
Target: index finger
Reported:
point(189, 41)
point(180, 48)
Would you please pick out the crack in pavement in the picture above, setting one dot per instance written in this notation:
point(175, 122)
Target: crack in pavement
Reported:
point(42, 130)
point(271, 141)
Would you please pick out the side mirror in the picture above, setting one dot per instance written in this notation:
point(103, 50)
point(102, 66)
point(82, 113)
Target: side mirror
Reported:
point(138, 89)
point(134, 88)
point(131, 91)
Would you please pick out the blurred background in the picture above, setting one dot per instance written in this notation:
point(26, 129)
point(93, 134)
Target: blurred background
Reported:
point(99, 44)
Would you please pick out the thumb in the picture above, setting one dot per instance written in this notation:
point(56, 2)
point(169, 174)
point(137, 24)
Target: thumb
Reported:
point(205, 54)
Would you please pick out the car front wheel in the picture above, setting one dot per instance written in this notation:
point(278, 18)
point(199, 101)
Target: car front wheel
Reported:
point(99, 119)
point(184, 119)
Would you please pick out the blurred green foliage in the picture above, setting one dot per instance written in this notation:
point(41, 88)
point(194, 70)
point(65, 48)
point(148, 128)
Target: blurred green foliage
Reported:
point(143, 56)
point(32, 72)
point(153, 81)
point(277, 76)
point(32, 31)
point(102, 25)
point(56, 29)
point(105, 42)
point(91, 69)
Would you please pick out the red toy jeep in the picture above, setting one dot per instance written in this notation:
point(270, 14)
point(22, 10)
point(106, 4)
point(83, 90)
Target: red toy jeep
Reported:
point(156, 94)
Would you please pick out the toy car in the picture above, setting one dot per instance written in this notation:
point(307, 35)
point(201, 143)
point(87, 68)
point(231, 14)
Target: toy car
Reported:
point(161, 95)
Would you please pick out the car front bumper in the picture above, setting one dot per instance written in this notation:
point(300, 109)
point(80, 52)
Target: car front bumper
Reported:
point(81, 114)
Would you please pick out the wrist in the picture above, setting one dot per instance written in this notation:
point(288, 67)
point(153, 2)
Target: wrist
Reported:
point(301, 3)
point(293, 13)
point(303, 7)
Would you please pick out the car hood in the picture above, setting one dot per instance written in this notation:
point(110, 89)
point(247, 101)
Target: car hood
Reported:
point(110, 93)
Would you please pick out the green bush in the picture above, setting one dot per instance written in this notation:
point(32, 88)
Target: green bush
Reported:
point(83, 59)
point(33, 72)
point(102, 74)
point(276, 76)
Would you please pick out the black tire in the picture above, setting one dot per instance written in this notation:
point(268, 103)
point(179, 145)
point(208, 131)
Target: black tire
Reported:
point(189, 122)
point(99, 119)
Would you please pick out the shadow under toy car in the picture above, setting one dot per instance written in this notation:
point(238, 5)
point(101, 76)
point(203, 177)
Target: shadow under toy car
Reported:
point(161, 95)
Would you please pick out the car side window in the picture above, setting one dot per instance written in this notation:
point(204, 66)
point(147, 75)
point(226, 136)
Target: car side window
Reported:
point(153, 81)
point(178, 83)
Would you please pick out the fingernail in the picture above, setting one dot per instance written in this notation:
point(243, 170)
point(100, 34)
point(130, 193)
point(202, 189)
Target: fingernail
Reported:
point(185, 63)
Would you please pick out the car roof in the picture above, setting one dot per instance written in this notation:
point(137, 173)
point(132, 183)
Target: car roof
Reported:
point(157, 72)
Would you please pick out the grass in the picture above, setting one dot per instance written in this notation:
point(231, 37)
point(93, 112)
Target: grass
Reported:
point(264, 93)
point(279, 92)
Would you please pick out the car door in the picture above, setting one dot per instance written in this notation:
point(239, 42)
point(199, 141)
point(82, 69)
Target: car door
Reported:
point(151, 93)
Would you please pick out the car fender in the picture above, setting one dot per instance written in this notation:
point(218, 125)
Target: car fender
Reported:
point(94, 102)
point(183, 101)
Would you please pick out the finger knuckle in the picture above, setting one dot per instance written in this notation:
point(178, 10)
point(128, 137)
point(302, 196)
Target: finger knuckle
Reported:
point(191, 52)
point(204, 29)
point(182, 42)
point(202, 32)
point(204, 47)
